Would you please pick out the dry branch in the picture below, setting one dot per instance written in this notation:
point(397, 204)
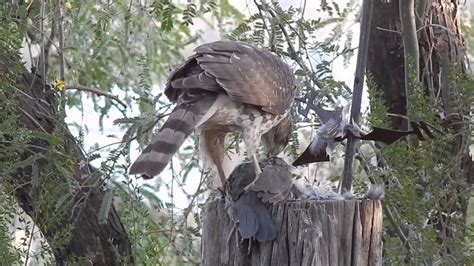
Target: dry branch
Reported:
point(346, 177)
point(96, 91)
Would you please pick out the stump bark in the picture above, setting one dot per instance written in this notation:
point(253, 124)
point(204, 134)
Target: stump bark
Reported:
point(309, 233)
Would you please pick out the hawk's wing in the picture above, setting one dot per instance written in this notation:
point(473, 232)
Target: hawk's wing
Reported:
point(246, 73)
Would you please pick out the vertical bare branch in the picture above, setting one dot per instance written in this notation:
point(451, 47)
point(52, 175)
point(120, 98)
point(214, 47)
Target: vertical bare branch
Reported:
point(61, 41)
point(410, 43)
point(346, 178)
point(59, 18)
point(42, 62)
point(420, 6)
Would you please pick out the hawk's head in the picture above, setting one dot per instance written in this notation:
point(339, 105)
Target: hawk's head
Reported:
point(275, 140)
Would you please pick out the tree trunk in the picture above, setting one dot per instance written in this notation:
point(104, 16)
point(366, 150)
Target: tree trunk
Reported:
point(385, 59)
point(68, 219)
point(309, 233)
point(442, 50)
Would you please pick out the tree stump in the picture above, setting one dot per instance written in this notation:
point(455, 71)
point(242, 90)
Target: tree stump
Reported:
point(309, 233)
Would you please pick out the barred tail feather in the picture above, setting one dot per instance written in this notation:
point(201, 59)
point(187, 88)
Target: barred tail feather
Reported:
point(171, 136)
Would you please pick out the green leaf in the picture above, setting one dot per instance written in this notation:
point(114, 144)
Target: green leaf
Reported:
point(105, 206)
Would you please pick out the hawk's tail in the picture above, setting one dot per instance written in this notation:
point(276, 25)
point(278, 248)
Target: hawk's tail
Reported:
point(181, 122)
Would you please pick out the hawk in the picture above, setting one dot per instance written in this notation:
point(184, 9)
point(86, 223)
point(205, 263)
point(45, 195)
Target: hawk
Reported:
point(225, 86)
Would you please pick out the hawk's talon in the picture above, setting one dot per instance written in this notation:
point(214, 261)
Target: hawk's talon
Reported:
point(232, 231)
point(222, 192)
point(236, 238)
point(249, 248)
point(242, 240)
point(249, 187)
point(256, 164)
point(258, 171)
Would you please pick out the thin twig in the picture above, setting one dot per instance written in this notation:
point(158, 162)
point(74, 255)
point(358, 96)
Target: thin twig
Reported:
point(49, 39)
point(270, 35)
point(389, 30)
point(302, 43)
point(421, 28)
point(387, 210)
point(293, 54)
point(420, 11)
point(42, 67)
point(172, 237)
point(346, 177)
point(59, 17)
point(439, 26)
point(96, 91)
point(29, 243)
point(38, 124)
point(159, 231)
point(61, 42)
point(31, 34)
point(309, 100)
point(398, 229)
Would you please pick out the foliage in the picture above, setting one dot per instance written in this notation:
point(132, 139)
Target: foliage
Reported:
point(14, 140)
point(97, 42)
point(8, 254)
point(160, 235)
point(289, 34)
point(468, 33)
point(124, 48)
point(297, 39)
point(425, 177)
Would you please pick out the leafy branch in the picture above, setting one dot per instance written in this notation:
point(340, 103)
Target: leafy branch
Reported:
point(96, 91)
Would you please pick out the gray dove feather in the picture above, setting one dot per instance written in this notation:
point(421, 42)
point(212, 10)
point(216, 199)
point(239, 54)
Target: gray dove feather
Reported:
point(249, 210)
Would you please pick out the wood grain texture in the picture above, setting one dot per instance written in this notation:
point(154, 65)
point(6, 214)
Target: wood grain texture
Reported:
point(309, 233)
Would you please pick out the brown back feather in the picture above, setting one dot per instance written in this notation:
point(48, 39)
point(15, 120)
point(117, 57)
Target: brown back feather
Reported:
point(245, 72)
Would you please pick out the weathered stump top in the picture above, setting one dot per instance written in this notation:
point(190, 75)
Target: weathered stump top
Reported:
point(340, 232)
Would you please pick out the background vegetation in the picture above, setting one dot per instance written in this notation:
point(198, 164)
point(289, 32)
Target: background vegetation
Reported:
point(110, 59)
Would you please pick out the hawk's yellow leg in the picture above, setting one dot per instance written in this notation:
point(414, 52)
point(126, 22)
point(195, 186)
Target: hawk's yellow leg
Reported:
point(258, 171)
